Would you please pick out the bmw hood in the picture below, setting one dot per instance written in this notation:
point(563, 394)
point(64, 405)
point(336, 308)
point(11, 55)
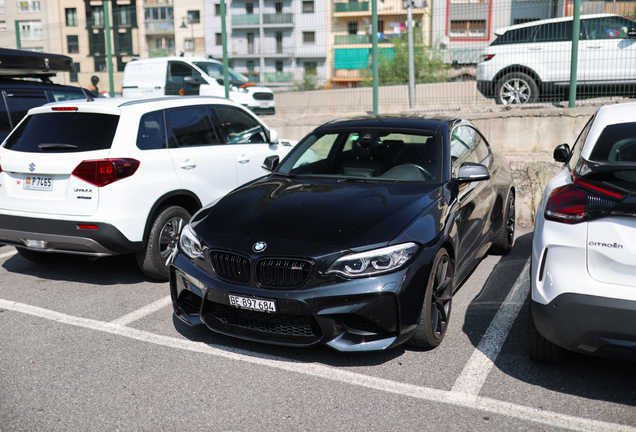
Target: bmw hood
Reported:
point(340, 215)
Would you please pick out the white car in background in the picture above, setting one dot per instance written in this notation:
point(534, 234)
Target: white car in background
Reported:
point(115, 176)
point(531, 61)
point(583, 273)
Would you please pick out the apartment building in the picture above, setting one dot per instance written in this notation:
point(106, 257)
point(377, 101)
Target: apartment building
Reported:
point(277, 43)
point(172, 27)
point(36, 24)
point(351, 30)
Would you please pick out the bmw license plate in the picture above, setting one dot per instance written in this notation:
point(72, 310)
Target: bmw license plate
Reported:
point(251, 303)
point(38, 183)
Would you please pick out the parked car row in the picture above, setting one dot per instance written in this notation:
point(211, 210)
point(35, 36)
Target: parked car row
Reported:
point(356, 237)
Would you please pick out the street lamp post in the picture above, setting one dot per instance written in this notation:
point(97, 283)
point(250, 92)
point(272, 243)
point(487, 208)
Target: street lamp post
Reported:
point(184, 26)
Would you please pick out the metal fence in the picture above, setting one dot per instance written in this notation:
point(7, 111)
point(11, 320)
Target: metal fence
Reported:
point(317, 55)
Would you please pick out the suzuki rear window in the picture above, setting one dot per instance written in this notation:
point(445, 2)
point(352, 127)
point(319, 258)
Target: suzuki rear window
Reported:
point(64, 132)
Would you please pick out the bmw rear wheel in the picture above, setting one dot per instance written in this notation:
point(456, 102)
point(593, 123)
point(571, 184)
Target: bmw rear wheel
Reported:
point(516, 88)
point(436, 309)
point(506, 236)
point(155, 259)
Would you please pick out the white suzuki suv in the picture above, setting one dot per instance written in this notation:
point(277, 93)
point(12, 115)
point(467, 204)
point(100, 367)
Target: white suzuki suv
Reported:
point(583, 273)
point(116, 176)
point(531, 61)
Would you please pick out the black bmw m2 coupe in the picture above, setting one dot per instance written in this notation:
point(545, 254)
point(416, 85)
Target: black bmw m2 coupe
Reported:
point(357, 239)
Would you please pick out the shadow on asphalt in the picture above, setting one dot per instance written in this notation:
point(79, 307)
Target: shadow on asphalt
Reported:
point(580, 375)
point(119, 269)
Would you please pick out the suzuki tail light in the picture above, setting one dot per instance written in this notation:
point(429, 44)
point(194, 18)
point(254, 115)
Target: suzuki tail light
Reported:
point(102, 172)
point(576, 202)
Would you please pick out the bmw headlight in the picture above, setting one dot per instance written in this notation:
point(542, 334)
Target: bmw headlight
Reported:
point(238, 89)
point(189, 243)
point(373, 262)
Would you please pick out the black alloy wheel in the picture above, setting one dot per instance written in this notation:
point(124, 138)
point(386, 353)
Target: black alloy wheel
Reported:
point(155, 259)
point(438, 300)
point(506, 234)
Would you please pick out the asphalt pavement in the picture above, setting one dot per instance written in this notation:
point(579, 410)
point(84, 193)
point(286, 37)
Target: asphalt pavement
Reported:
point(93, 346)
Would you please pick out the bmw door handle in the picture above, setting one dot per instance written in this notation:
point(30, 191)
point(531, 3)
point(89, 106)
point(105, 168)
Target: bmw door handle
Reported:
point(187, 165)
point(534, 48)
point(243, 161)
point(594, 47)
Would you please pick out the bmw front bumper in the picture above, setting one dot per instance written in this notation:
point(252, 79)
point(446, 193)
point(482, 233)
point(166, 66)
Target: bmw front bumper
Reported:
point(366, 314)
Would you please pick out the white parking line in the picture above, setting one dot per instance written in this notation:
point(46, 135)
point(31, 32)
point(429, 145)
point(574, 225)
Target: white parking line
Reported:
point(318, 370)
point(474, 374)
point(8, 254)
point(140, 313)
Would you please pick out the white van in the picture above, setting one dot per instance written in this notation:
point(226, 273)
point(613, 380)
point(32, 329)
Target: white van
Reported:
point(179, 76)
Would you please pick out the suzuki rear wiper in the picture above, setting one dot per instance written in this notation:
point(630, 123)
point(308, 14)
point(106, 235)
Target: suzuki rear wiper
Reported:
point(51, 146)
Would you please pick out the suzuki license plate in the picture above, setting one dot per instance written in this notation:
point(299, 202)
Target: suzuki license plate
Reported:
point(38, 183)
point(251, 303)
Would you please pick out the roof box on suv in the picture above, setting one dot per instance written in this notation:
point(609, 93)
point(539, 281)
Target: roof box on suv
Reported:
point(24, 63)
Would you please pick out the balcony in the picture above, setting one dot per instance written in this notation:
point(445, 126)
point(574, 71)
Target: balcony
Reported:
point(352, 7)
point(159, 27)
point(245, 20)
point(284, 19)
point(277, 77)
point(351, 39)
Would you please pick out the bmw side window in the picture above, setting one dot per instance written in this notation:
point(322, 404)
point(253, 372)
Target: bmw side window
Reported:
point(191, 127)
point(152, 131)
point(237, 127)
point(462, 147)
point(482, 147)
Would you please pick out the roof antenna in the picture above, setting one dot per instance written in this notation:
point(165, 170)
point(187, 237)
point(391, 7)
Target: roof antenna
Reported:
point(88, 98)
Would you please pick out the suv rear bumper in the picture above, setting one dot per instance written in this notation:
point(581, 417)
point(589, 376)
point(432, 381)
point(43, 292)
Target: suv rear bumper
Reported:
point(65, 236)
point(588, 324)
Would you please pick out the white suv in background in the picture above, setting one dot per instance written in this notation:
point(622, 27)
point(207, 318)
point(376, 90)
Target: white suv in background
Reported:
point(532, 60)
point(116, 176)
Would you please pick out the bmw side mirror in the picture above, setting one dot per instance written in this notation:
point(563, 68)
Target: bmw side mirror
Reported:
point(562, 153)
point(631, 33)
point(273, 136)
point(472, 172)
point(271, 162)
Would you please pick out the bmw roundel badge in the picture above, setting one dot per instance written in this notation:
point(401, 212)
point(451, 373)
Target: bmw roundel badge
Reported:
point(259, 247)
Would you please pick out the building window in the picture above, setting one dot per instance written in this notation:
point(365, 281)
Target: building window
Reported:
point(76, 66)
point(249, 8)
point(250, 65)
point(279, 42)
point(123, 42)
point(250, 43)
point(3, 25)
point(308, 6)
point(380, 26)
point(97, 43)
point(311, 68)
point(194, 17)
point(309, 37)
point(188, 44)
point(217, 9)
point(159, 14)
point(352, 26)
point(100, 64)
point(1, 6)
point(31, 30)
point(97, 18)
point(121, 65)
point(29, 6)
point(279, 7)
point(468, 28)
point(219, 39)
point(73, 44)
point(71, 17)
point(279, 66)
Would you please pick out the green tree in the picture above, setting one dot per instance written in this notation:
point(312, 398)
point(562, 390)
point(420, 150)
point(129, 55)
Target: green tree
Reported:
point(393, 66)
